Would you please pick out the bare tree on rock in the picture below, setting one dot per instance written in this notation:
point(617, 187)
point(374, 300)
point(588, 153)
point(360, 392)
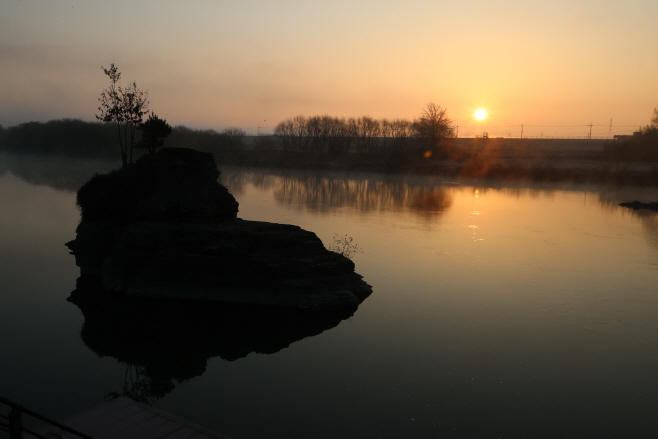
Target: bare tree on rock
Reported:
point(124, 106)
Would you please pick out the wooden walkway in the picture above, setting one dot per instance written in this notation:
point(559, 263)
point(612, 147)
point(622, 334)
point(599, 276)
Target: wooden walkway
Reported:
point(123, 418)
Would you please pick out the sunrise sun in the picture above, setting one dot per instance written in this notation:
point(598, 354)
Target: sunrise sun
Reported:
point(480, 114)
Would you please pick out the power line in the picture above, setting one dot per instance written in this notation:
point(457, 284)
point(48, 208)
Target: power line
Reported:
point(562, 126)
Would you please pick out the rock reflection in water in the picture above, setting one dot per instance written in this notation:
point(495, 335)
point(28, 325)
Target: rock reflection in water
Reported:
point(164, 342)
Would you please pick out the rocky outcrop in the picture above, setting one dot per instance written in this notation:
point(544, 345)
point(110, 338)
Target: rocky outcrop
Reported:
point(174, 185)
point(638, 205)
point(177, 237)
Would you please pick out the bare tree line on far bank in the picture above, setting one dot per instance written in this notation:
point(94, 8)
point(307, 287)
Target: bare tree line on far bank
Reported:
point(425, 145)
point(331, 134)
point(424, 137)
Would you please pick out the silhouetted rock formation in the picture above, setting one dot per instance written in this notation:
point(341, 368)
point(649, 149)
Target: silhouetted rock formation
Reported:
point(176, 184)
point(165, 228)
point(637, 205)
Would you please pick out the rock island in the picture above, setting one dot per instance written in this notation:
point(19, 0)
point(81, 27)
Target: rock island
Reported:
point(165, 228)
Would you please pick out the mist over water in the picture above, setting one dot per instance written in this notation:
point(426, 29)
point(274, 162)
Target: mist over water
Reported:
point(497, 311)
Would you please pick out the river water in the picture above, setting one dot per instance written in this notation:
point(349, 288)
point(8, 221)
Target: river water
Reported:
point(498, 310)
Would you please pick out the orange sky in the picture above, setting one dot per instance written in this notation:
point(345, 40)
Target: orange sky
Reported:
point(553, 66)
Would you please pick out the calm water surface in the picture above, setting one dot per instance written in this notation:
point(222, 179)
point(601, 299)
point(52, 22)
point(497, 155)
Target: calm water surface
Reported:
point(498, 311)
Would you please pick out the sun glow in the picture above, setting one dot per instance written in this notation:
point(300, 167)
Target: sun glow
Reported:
point(480, 114)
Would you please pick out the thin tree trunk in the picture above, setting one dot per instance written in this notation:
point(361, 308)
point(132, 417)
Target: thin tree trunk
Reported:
point(124, 159)
point(125, 141)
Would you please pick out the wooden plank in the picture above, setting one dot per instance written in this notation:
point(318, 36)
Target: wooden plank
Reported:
point(123, 418)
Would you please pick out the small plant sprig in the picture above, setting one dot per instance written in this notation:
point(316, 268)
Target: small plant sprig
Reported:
point(345, 246)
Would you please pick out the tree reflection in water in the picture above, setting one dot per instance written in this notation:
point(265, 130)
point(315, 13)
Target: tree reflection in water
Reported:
point(164, 342)
point(322, 194)
point(142, 387)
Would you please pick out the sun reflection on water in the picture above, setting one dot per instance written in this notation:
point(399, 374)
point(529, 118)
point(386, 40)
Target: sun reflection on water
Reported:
point(475, 215)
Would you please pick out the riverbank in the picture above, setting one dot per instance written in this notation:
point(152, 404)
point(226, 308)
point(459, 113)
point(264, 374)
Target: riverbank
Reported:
point(536, 160)
point(532, 160)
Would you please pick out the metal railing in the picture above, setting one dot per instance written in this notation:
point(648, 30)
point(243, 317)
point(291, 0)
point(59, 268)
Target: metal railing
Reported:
point(14, 422)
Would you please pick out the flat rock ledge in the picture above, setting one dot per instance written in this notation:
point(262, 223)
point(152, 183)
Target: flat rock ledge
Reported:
point(197, 255)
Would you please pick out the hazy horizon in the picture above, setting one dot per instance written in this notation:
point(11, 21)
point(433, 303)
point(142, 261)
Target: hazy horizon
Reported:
point(553, 67)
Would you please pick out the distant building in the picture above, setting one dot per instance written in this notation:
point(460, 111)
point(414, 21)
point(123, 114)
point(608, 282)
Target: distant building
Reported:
point(627, 136)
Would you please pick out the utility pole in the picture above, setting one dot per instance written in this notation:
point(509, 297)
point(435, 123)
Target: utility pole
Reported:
point(522, 131)
point(590, 131)
point(610, 130)
point(457, 135)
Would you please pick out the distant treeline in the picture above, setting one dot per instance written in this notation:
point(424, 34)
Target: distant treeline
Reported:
point(325, 142)
point(228, 141)
point(77, 138)
point(333, 134)
point(61, 137)
point(298, 135)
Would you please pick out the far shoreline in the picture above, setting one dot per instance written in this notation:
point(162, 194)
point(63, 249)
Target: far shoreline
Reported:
point(577, 161)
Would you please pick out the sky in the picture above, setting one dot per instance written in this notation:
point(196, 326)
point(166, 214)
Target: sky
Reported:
point(549, 68)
